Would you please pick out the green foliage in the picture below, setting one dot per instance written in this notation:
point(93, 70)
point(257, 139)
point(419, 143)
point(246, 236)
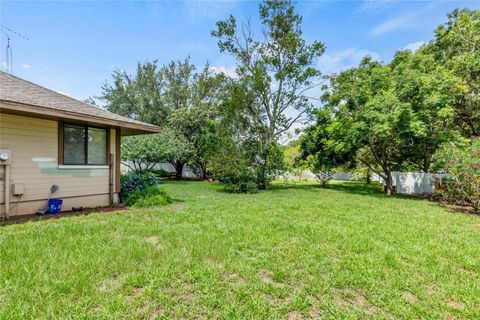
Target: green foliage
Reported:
point(461, 162)
point(291, 153)
point(274, 70)
point(155, 92)
point(241, 179)
point(145, 151)
point(160, 173)
point(136, 181)
point(199, 127)
point(151, 196)
point(395, 116)
point(367, 122)
point(323, 177)
point(319, 151)
point(140, 96)
point(238, 166)
point(456, 46)
point(233, 168)
point(173, 96)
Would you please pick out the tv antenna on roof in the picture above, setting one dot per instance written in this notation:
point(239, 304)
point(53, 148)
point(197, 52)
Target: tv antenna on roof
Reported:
point(8, 50)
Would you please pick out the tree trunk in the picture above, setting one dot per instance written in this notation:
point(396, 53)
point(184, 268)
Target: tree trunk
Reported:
point(389, 190)
point(262, 182)
point(368, 177)
point(179, 168)
point(426, 164)
point(205, 174)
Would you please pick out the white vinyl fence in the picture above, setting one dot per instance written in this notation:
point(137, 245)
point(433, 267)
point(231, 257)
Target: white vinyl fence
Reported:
point(405, 182)
point(412, 182)
point(343, 176)
point(309, 175)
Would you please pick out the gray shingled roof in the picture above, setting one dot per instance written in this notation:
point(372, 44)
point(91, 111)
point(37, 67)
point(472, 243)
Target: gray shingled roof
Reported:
point(18, 90)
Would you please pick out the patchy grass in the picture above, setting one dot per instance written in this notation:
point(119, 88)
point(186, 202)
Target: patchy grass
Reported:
point(296, 251)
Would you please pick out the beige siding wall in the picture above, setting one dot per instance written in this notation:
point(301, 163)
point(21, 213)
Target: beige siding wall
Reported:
point(34, 146)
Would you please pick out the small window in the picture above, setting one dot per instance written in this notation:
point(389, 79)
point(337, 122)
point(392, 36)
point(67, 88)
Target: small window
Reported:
point(84, 145)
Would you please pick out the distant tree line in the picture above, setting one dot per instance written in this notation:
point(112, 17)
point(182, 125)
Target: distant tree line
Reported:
point(377, 117)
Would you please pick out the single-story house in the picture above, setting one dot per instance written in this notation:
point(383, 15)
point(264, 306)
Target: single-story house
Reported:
point(49, 139)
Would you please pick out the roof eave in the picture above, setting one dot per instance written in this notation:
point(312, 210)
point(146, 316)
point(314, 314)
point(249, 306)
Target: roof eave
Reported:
point(127, 128)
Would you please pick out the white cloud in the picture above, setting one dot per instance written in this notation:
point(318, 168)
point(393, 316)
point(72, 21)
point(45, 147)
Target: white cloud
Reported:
point(341, 60)
point(229, 71)
point(373, 6)
point(404, 21)
point(197, 10)
point(25, 66)
point(414, 46)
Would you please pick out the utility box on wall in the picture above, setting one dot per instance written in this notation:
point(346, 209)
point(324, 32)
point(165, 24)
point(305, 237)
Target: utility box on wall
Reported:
point(18, 189)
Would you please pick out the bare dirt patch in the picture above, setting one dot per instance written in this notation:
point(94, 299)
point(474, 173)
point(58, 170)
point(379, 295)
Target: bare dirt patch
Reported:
point(136, 293)
point(431, 288)
point(189, 297)
point(409, 297)
point(63, 214)
point(155, 242)
point(353, 299)
point(315, 313)
point(152, 239)
point(213, 263)
point(147, 309)
point(95, 309)
point(272, 300)
point(463, 270)
point(265, 276)
point(111, 283)
point(178, 206)
point(455, 304)
point(294, 315)
point(235, 279)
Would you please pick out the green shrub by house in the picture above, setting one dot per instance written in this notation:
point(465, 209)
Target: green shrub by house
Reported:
point(149, 197)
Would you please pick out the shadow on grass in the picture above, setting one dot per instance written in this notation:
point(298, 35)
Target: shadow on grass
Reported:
point(352, 187)
point(347, 186)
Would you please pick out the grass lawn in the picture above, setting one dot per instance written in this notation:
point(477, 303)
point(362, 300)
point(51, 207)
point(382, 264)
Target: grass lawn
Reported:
point(294, 251)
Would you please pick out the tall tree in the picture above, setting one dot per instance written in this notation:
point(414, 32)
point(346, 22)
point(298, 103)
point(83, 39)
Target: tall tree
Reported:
point(196, 112)
point(386, 117)
point(174, 96)
point(373, 125)
point(428, 88)
point(140, 96)
point(274, 73)
point(457, 46)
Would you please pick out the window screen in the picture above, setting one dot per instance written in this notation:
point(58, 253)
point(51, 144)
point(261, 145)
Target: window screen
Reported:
point(84, 145)
point(73, 144)
point(97, 146)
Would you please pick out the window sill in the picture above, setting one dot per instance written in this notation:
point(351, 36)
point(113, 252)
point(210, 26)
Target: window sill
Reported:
point(81, 166)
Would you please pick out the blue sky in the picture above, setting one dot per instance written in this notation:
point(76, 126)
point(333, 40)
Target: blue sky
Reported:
point(74, 46)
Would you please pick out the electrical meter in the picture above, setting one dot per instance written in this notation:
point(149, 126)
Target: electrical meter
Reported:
point(4, 156)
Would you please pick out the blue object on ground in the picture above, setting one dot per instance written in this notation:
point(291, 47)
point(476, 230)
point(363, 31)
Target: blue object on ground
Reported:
point(159, 182)
point(54, 205)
